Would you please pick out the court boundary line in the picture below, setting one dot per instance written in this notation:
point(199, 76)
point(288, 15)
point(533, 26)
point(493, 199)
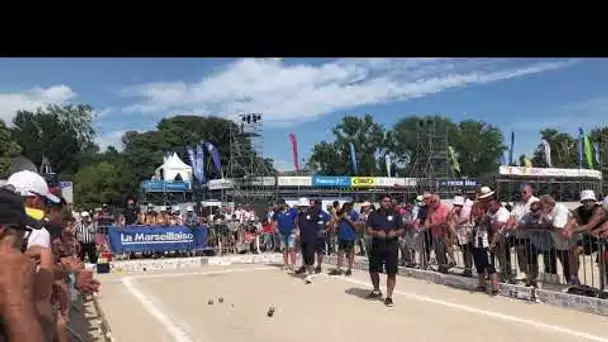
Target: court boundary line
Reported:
point(175, 327)
point(487, 313)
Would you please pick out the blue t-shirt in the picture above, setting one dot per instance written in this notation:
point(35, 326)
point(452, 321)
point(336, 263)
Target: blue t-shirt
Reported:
point(347, 232)
point(309, 225)
point(286, 221)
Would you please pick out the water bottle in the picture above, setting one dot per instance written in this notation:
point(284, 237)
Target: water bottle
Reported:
point(72, 293)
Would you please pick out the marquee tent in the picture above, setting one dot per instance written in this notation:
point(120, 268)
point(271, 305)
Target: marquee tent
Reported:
point(174, 169)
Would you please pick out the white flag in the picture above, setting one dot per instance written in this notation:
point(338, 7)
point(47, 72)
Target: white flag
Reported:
point(387, 160)
point(547, 151)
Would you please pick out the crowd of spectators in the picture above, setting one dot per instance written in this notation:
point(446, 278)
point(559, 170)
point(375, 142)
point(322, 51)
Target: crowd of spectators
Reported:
point(41, 274)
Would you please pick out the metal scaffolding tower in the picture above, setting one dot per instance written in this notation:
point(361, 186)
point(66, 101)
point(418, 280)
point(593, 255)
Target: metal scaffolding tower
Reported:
point(432, 163)
point(246, 165)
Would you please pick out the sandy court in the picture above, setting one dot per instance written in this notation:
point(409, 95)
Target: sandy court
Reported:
point(172, 306)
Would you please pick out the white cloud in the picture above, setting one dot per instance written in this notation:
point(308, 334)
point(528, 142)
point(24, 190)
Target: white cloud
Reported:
point(291, 93)
point(113, 138)
point(10, 103)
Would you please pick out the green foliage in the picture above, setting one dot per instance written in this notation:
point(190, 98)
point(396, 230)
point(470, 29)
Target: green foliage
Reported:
point(478, 145)
point(97, 184)
point(8, 148)
point(64, 134)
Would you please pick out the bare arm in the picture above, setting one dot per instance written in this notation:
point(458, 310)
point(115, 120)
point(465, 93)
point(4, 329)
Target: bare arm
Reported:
point(598, 216)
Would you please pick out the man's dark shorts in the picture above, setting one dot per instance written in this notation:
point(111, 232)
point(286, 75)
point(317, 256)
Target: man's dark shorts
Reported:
point(320, 245)
point(384, 255)
point(346, 246)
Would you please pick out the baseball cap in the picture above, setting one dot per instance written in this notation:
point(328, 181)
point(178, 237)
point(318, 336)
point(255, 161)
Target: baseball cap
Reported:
point(458, 200)
point(28, 183)
point(303, 202)
point(189, 208)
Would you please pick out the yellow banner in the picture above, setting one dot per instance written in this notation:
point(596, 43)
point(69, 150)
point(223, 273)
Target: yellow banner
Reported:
point(361, 182)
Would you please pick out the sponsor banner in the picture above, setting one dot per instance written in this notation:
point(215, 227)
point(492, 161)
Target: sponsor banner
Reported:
point(218, 184)
point(295, 181)
point(331, 181)
point(548, 172)
point(362, 182)
point(260, 181)
point(156, 238)
point(461, 183)
point(159, 185)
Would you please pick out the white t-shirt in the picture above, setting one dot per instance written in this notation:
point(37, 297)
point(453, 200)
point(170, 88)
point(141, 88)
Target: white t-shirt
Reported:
point(480, 238)
point(521, 208)
point(559, 217)
point(39, 237)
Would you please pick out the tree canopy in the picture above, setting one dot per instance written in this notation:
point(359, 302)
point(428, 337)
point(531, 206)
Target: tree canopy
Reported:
point(66, 137)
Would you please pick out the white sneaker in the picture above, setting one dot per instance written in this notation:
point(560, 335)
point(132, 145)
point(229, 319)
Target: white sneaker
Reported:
point(308, 279)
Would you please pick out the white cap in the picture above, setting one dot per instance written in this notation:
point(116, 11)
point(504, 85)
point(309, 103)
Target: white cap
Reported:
point(587, 195)
point(458, 200)
point(189, 208)
point(366, 204)
point(303, 202)
point(176, 208)
point(605, 203)
point(28, 183)
point(84, 214)
point(419, 198)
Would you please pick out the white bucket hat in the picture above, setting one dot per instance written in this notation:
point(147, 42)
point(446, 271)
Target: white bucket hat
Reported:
point(587, 195)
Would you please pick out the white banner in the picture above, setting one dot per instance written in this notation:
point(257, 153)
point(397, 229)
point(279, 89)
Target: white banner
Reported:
point(548, 172)
point(295, 181)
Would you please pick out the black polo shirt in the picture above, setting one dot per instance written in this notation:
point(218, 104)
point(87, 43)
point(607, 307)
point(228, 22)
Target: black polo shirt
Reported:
point(386, 220)
point(308, 221)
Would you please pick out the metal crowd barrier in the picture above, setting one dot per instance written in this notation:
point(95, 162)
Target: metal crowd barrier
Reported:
point(520, 256)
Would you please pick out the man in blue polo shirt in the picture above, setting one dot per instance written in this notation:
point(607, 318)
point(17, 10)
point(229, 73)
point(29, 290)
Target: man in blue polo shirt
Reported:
point(347, 235)
point(307, 224)
point(284, 223)
point(385, 227)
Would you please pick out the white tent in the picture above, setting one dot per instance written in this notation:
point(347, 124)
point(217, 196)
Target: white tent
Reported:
point(174, 166)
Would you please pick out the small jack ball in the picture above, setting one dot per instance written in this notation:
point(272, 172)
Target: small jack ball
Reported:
point(210, 302)
point(220, 300)
point(145, 269)
point(270, 311)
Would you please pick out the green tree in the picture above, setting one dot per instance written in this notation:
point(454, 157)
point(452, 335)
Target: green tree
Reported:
point(97, 184)
point(61, 133)
point(8, 149)
point(563, 150)
point(369, 140)
point(478, 146)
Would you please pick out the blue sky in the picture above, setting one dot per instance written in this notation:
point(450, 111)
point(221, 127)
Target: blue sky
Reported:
point(309, 96)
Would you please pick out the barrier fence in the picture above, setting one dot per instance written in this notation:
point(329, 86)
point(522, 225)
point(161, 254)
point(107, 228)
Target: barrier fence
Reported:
point(526, 256)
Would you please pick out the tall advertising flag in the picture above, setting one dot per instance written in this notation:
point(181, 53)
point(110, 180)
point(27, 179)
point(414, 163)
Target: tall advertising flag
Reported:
point(511, 148)
point(596, 149)
point(215, 157)
point(588, 152)
point(200, 164)
point(547, 151)
point(579, 147)
point(387, 161)
point(192, 158)
point(294, 151)
point(353, 158)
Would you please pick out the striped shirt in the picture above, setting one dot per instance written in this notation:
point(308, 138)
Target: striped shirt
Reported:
point(86, 233)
